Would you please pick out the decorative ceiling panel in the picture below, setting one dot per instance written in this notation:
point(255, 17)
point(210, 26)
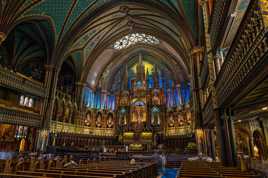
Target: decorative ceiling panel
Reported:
point(56, 9)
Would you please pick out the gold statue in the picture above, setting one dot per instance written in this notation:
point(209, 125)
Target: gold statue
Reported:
point(98, 120)
point(22, 145)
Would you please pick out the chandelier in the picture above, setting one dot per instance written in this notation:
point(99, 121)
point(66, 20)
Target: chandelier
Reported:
point(135, 38)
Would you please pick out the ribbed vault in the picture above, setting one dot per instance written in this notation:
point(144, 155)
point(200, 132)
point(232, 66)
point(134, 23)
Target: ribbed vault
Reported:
point(86, 30)
point(94, 35)
point(111, 62)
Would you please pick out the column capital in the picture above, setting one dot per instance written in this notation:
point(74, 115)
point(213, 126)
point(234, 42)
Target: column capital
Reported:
point(196, 50)
point(202, 2)
point(49, 67)
point(83, 84)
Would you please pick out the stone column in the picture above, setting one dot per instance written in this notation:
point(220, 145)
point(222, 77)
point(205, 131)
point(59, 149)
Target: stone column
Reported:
point(42, 141)
point(209, 143)
point(251, 142)
point(79, 93)
point(265, 125)
point(199, 140)
point(226, 137)
point(217, 64)
point(47, 109)
point(50, 86)
point(212, 144)
point(196, 56)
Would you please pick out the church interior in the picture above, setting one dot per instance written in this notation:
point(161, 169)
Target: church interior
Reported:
point(133, 88)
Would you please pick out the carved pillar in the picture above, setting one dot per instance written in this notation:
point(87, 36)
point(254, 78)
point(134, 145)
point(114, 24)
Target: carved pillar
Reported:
point(210, 143)
point(49, 85)
point(206, 143)
point(265, 126)
point(199, 140)
point(217, 64)
point(213, 144)
point(196, 57)
point(211, 69)
point(226, 137)
point(47, 107)
point(79, 93)
point(48, 76)
point(42, 142)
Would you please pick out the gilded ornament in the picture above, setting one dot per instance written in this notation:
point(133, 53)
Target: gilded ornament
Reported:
point(264, 10)
point(2, 37)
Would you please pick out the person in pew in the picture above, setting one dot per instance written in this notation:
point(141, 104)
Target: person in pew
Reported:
point(71, 163)
point(58, 162)
point(51, 163)
point(132, 161)
point(8, 166)
point(163, 161)
point(33, 162)
point(41, 161)
point(20, 162)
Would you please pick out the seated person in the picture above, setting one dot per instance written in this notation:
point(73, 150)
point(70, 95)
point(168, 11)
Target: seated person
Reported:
point(8, 166)
point(71, 163)
point(132, 161)
point(33, 162)
point(51, 163)
point(41, 161)
point(19, 165)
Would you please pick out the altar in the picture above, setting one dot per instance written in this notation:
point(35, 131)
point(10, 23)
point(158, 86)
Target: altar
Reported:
point(147, 110)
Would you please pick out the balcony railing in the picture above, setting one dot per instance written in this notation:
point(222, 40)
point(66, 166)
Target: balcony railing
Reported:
point(61, 127)
point(179, 131)
point(18, 116)
point(217, 20)
point(245, 55)
point(19, 82)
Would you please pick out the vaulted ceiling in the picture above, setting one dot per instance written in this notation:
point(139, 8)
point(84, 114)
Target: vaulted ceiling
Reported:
point(87, 29)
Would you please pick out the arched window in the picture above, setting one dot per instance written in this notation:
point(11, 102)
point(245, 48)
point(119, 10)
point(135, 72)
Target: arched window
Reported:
point(26, 101)
point(22, 100)
point(30, 104)
point(134, 38)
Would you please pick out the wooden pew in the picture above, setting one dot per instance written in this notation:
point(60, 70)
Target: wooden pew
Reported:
point(125, 171)
point(59, 175)
point(205, 169)
point(92, 169)
point(89, 173)
point(8, 175)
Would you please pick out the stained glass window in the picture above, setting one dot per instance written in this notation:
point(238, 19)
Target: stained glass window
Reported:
point(135, 38)
point(26, 101)
point(99, 100)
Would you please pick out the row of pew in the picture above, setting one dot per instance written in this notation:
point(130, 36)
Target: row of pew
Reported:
point(199, 169)
point(91, 169)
